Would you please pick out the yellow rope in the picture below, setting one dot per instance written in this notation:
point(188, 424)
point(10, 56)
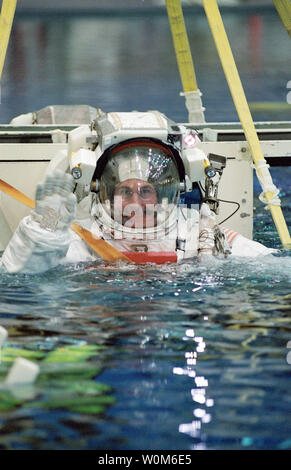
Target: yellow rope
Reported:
point(238, 95)
point(6, 20)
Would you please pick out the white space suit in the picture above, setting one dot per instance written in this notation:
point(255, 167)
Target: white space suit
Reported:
point(35, 249)
point(134, 209)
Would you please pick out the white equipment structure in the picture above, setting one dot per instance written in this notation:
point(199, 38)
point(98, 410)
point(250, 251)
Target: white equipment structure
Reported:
point(29, 151)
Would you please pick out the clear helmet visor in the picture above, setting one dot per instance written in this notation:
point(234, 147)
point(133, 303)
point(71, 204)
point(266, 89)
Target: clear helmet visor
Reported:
point(141, 173)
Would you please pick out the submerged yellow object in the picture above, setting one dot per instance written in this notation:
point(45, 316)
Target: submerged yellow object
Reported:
point(269, 106)
point(6, 20)
point(239, 99)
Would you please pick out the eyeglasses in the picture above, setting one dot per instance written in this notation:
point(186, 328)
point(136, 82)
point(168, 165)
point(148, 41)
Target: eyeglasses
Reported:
point(145, 192)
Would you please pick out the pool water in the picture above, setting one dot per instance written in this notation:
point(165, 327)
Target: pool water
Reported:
point(189, 356)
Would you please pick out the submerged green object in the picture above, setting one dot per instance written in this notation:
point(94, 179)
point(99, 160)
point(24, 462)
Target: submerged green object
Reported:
point(6, 20)
point(9, 353)
point(8, 402)
point(72, 353)
point(67, 379)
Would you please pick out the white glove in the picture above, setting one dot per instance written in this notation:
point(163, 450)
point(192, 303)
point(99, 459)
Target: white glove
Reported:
point(207, 223)
point(212, 239)
point(42, 239)
point(55, 206)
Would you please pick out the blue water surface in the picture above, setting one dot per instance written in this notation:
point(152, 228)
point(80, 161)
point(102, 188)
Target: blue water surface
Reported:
point(189, 356)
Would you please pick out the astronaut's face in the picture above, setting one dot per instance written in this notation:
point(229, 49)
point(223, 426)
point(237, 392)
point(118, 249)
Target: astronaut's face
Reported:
point(137, 199)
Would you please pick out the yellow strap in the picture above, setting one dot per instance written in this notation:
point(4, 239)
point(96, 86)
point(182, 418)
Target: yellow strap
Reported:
point(181, 45)
point(284, 10)
point(6, 20)
point(238, 95)
point(100, 246)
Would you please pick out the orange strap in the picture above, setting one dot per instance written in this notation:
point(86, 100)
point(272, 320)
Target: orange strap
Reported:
point(100, 246)
point(13, 192)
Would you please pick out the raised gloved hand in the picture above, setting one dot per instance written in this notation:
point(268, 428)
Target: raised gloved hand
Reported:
point(55, 205)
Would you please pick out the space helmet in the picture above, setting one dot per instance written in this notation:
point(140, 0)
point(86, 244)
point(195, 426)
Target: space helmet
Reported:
point(142, 160)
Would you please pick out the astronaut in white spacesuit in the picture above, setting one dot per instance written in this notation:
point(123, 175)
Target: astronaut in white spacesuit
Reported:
point(132, 205)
